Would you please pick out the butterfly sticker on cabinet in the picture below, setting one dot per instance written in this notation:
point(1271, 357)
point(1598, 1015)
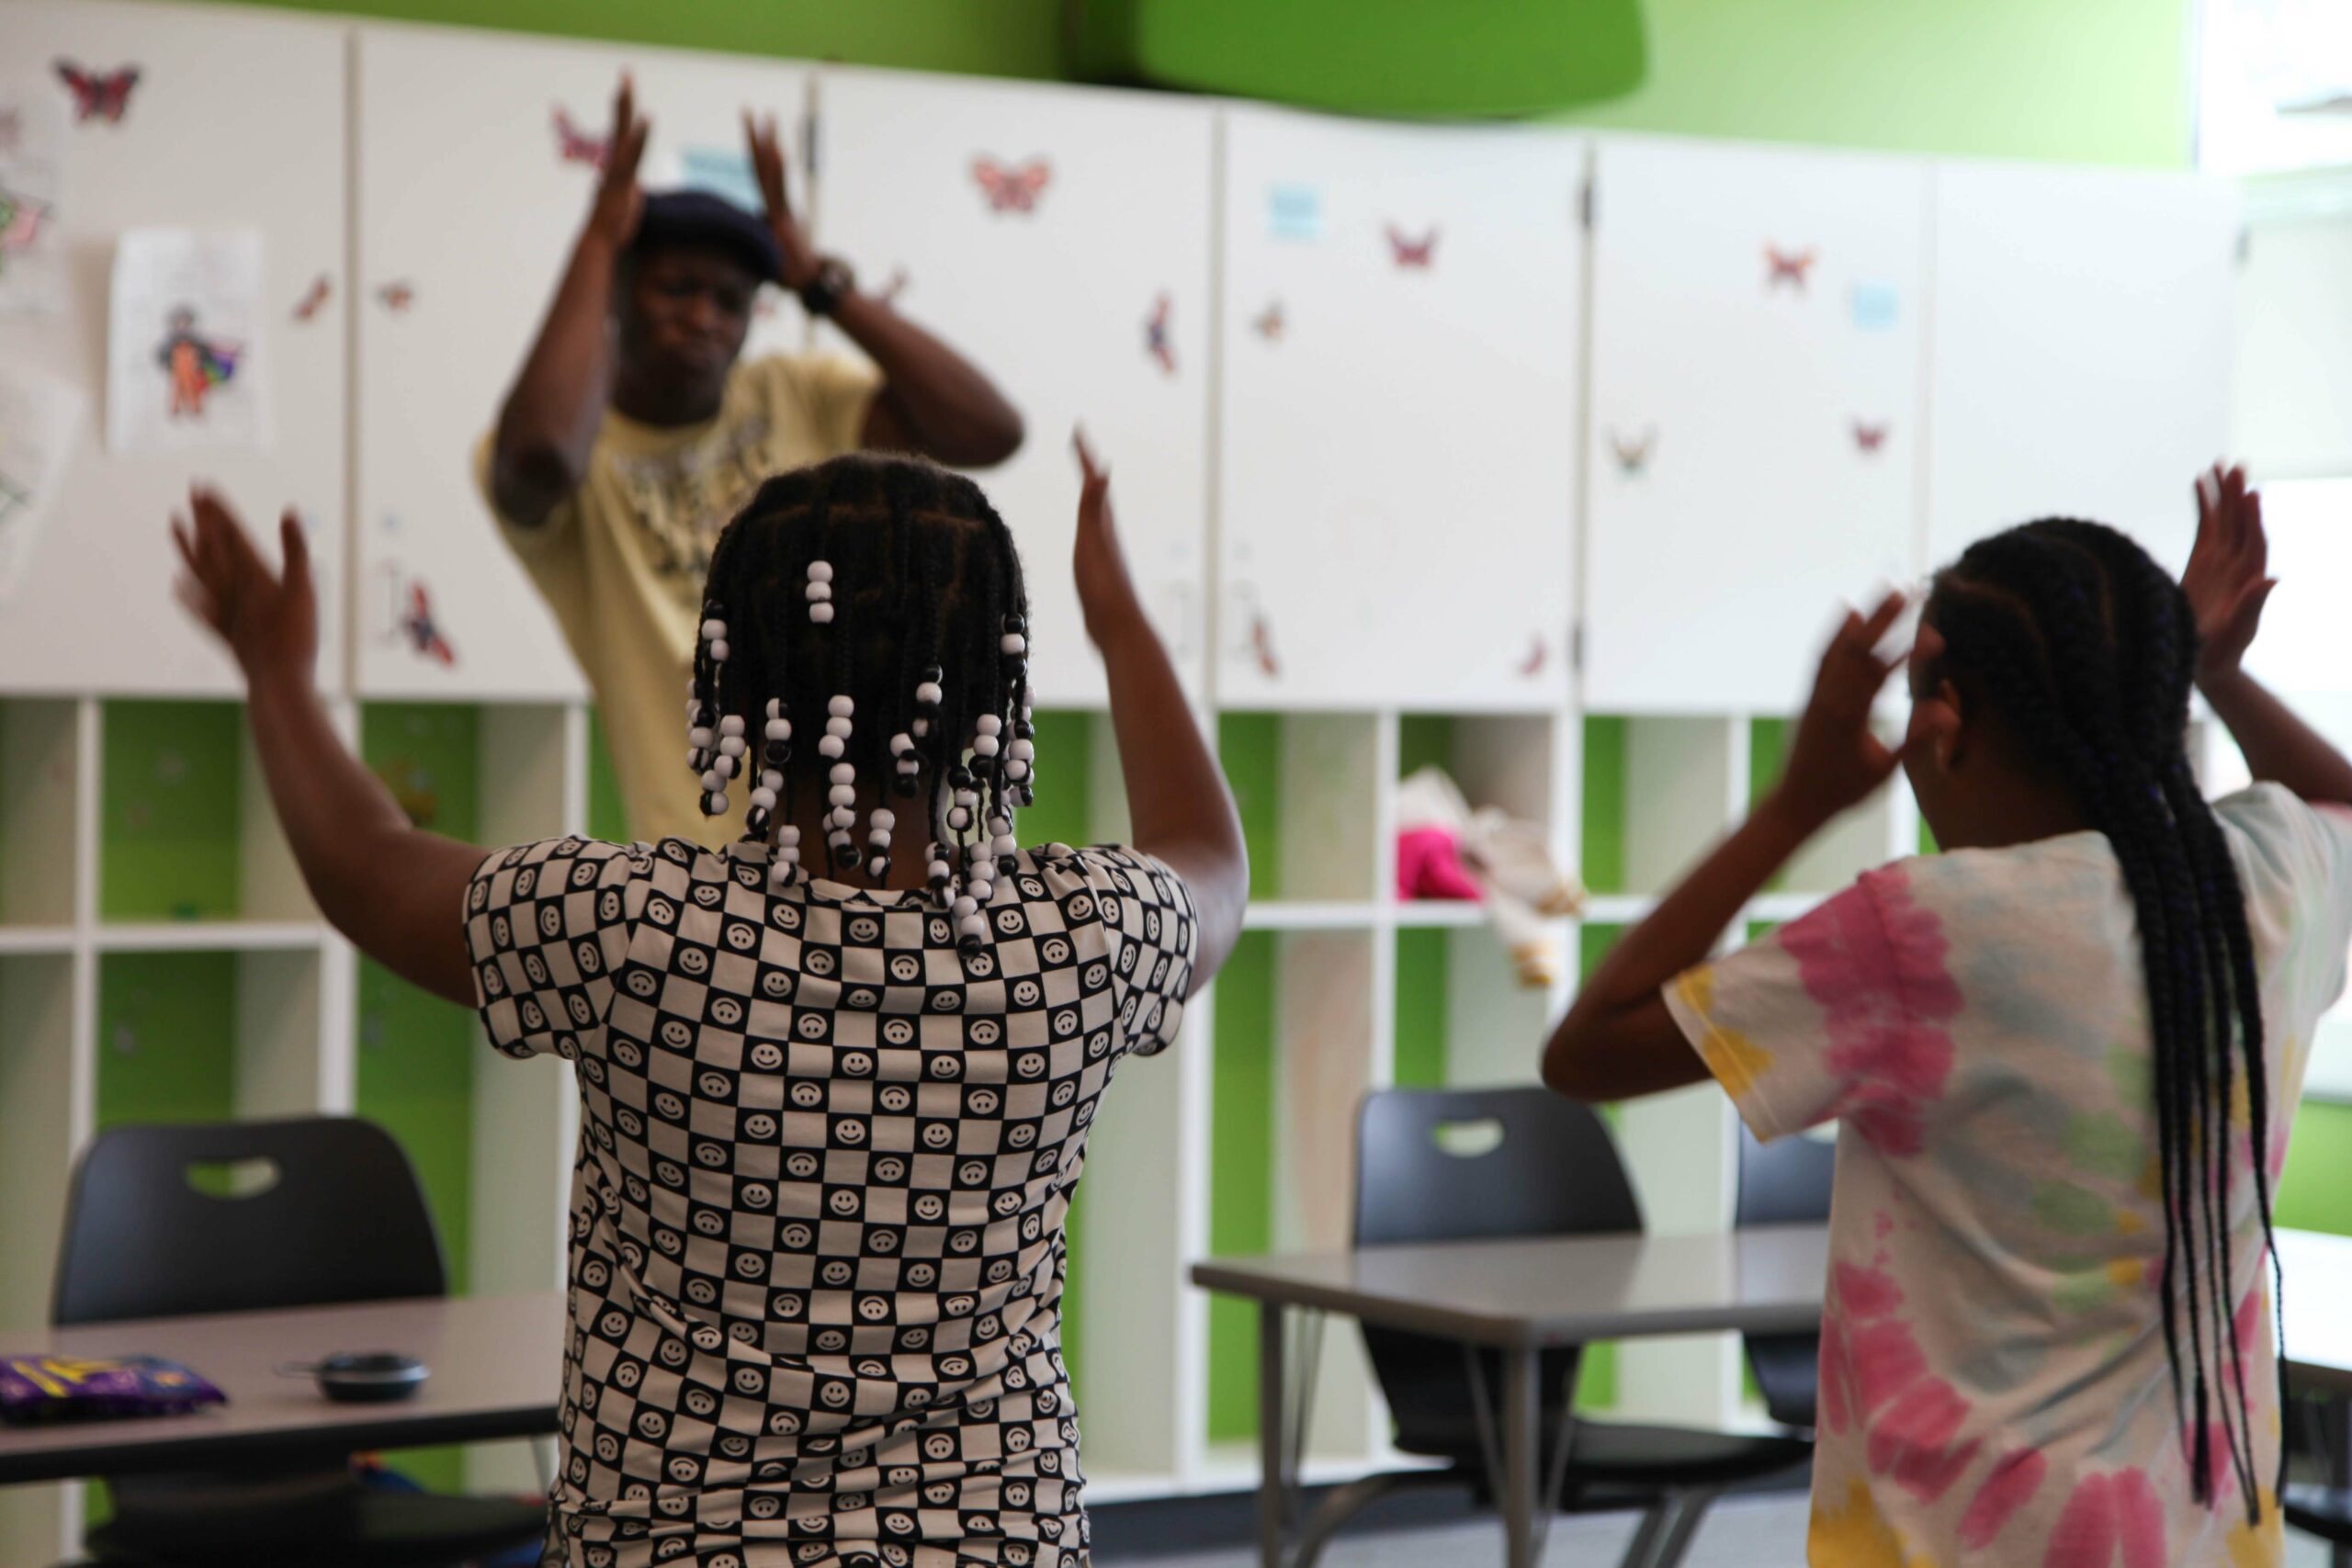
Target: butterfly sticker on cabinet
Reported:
point(1156, 340)
point(1011, 187)
point(313, 299)
point(409, 620)
point(1869, 437)
point(573, 145)
point(1539, 654)
point(1259, 643)
point(1632, 457)
point(98, 95)
point(1268, 323)
point(1409, 254)
point(396, 297)
point(1787, 268)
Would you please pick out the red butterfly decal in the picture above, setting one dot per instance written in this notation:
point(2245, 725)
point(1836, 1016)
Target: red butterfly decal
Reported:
point(1632, 457)
point(1870, 437)
point(1012, 188)
point(1412, 253)
point(1261, 643)
point(1787, 266)
point(1268, 323)
point(574, 145)
point(417, 625)
point(396, 296)
point(1155, 330)
point(98, 96)
point(1537, 656)
point(313, 298)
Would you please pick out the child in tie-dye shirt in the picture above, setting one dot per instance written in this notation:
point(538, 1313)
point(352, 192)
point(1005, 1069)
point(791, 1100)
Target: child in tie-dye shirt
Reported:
point(2048, 1335)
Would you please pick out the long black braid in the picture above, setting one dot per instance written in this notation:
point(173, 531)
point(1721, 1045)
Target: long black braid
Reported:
point(924, 590)
point(2087, 649)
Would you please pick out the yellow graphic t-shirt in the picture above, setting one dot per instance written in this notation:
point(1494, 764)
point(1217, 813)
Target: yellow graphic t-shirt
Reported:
point(621, 562)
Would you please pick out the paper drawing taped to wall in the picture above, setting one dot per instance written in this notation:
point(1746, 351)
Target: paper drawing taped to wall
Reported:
point(186, 364)
point(32, 264)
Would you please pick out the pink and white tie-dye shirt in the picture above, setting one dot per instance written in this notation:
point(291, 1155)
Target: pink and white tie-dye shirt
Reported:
point(1994, 1384)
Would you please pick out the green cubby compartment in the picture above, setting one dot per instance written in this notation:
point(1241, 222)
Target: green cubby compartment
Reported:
point(1462, 1016)
point(1656, 791)
point(1307, 785)
point(40, 773)
point(208, 1034)
point(37, 1072)
point(1292, 1058)
point(1878, 831)
point(186, 831)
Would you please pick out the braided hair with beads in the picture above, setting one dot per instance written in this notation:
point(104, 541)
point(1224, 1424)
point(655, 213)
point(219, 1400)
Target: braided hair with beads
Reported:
point(881, 600)
point(2088, 650)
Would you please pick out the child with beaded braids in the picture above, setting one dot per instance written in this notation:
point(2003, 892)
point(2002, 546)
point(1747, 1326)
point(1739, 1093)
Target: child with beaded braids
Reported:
point(2063, 1054)
point(836, 1081)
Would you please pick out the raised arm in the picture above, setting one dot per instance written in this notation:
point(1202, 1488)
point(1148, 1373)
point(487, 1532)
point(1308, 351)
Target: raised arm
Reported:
point(1618, 1039)
point(2227, 584)
point(398, 893)
point(547, 428)
point(1177, 797)
point(933, 400)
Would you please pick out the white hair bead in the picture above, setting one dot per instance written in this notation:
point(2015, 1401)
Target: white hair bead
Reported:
point(844, 818)
point(788, 836)
point(771, 778)
point(963, 906)
point(717, 803)
point(929, 695)
point(883, 818)
point(830, 746)
point(838, 724)
point(1016, 771)
point(901, 743)
point(1015, 643)
point(731, 725)
point(974, 927)
point(775, 708)
point(1024, 750)
point(719, 651)
point(842, 707)
point(984, 745)
point(818, 593)
point(1007, 845)
point(820, 571)
point(958, 818)
point(779, 729)
point(712, 780)
point(714, 627)
point(987, 724)
point(843, 773)
point(922, 727)
point(700, 738)
point(764, 798)
point(842, 794)
point(730, 746)
point(820, 614)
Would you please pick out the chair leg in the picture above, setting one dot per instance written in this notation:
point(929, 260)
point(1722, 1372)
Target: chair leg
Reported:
point(1690, 1513)
point(1346, 1502)
point(1657, 1523)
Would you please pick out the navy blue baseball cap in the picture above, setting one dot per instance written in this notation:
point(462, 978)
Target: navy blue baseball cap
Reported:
point(699, 218)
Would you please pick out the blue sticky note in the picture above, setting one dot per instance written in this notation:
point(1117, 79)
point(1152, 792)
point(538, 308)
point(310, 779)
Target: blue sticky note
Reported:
point(1876, 306)
point(724, 172)
point(1294, 212)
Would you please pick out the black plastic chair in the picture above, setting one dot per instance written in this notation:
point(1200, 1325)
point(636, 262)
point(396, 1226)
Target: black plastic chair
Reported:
point(1554, 1170)
point(1785, 1183)
point(336, 1217)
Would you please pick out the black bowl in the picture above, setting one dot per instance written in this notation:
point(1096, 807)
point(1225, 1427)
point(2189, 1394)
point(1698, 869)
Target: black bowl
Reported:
point(375, 1377)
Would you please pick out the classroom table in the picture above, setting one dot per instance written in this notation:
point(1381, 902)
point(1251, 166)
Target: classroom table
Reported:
point(1521, 1297)
point(495, 1364)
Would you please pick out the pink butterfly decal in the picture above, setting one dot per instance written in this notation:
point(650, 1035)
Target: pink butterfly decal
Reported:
point(1870, 437)
point(574, 145)
point(1012, 188)
point(98, 95)
point(1408, 252)
point(1155, 330)
point(1268, 323)
point(397, 296)
point(1787, 266)
point(313, 299)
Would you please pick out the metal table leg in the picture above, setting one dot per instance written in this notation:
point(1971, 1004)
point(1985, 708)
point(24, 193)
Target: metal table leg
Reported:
point(1521, 1410)
point(1273, 1446)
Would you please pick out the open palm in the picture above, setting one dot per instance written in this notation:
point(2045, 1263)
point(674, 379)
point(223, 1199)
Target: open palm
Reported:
point(2227, 580)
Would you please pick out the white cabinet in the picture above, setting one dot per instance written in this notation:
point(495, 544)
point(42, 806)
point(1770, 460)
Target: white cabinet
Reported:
point(1058, 238)
point(472, 186)
point(221, 97)
point(2081, 350)
point(1755, 445)
point(1398, 413)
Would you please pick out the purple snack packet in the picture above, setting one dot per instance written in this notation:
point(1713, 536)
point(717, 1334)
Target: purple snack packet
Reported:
point(60, 1388)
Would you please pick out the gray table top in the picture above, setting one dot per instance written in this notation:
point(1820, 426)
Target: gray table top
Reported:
point(1571, 1290)
point(496, 1365)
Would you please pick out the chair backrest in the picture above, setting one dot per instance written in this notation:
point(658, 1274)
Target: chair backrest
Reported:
point(336, 1215)
point(1462, 1165)
point(1784, 1183)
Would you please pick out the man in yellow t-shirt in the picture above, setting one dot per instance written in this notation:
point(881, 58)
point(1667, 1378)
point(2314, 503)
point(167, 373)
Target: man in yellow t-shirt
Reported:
point(632, 434)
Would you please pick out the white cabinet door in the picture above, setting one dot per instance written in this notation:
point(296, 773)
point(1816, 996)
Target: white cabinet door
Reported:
point(1757, 332)
point(1058, 238)
point(472, 186)
point(2081, 352)
point(236, 121)
point(1398, 413)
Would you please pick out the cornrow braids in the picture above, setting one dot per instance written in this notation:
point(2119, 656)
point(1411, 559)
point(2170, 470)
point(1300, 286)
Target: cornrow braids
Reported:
point(2087, 648)
point(878, 600)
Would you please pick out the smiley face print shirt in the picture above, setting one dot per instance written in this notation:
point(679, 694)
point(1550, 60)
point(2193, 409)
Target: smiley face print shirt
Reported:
point(815, 1244)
